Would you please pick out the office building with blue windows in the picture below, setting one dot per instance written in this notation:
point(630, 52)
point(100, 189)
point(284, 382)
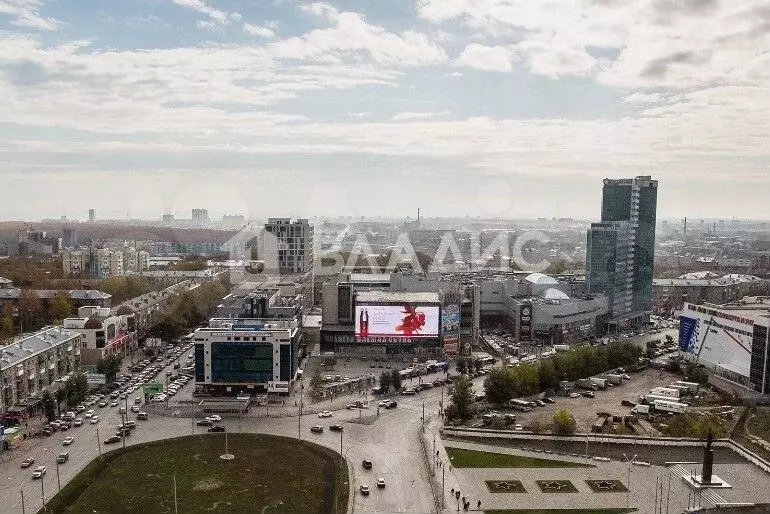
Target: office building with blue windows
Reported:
point(246, 356)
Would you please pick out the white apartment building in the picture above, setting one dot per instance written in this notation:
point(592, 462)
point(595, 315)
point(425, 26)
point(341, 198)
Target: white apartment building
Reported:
point(292, 245)
point(104, 332)
point(104, 262)
point(32, 364)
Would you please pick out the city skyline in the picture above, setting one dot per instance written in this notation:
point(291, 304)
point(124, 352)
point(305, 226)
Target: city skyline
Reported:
point(500, 109)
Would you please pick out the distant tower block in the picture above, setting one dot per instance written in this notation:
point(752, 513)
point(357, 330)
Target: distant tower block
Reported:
point(91, 215)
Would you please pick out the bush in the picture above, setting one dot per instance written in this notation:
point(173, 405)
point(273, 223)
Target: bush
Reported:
point(564, 423)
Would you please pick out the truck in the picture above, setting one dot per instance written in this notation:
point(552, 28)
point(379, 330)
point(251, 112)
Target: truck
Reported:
point(601, 420)
point(641, 409)
point(587, 383)
point(665, 391)
point(601, 383)
point(691, 386)
point(561, 347)
point(614, 379)
point(683, 390)
point(668, 406)
point(652, 398)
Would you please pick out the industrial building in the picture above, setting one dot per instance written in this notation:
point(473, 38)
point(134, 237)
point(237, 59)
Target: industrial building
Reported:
point(247, 356)
point(33, 363)
point(732, 341)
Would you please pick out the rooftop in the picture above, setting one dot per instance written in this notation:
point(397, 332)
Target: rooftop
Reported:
point(370, 277)
point(33, 344)
point(396, 297)
point(75, 294)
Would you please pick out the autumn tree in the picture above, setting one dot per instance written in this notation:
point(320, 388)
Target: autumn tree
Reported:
point(61, 307)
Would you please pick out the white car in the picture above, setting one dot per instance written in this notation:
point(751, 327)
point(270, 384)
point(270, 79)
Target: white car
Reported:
point(94, 420)
point(114, 403)
point(518, 427)
point(216, 418)
point(325, 414)
point(380, 482)
point(89, 413)
point(68, 441)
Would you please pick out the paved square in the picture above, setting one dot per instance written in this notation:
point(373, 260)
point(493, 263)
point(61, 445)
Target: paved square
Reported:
point(556, 486)
point(606, 486)
point(505, 486)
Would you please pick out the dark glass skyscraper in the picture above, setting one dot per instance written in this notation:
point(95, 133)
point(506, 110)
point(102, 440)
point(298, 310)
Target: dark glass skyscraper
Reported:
point(621, 248)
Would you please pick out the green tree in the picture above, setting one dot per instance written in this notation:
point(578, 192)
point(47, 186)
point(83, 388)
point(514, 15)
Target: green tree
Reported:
point(547, 375)
point(651, 349)
point(564, 422)
point(6, 322)
point(109, 365)
point(60, 395)
point(461, 364)
point(478, 364)
point(30, 311)
point(61, 307)
point(499, 385)
point(49, 406)
point(697, 374)
point(462, 397)
point(385, 377)
point(395, 379)
point(316, 385)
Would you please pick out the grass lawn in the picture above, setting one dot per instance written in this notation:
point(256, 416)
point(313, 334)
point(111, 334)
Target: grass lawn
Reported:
point(268, 474)
point(462, 458)
point(561, 511)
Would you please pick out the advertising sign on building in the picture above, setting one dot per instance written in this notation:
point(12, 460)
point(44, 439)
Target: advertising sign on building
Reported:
point(96, 379)
point(407, 321)
point(451, 345)
point(274, 386)
point(525, 323)
point(450, 320)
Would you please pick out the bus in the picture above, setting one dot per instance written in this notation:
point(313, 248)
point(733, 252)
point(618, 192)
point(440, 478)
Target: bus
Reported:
point(520, 405)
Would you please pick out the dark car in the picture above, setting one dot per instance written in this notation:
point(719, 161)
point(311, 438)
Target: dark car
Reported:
point(205, 423)
point(548, 400)
point(336, 428)
point(112, 439)
point(391, 405)
point(588, 394)
point(367, 464)
point(317, 429)
point(217, 428)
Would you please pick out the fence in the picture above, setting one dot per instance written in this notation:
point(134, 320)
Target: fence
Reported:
point(427, 460)
point(618, 439)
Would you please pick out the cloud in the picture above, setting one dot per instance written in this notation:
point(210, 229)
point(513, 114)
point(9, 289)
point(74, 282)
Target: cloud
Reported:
point(487, 58)
point(352, 37)
point(643, 98)
point(409, 116)
point(322, 10)
point(257, 30)
point(216, 16)
point(26, 13)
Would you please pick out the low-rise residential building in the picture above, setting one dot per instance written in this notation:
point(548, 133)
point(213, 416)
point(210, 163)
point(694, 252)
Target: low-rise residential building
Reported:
point(10, 295)
point(670, 294)
point(105, 332)
point(32, 364)
point(236, 356)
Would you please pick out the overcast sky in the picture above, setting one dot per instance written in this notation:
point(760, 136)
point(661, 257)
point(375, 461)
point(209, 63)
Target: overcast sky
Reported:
point(375, 107)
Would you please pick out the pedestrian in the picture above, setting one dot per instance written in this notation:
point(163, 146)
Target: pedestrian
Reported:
point(478, 507)
point(453, 490)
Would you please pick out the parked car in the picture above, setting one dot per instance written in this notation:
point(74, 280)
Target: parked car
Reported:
point(134, 408)
point(216, 418)
point(94, 420)
point(365, 489)
point(367, 464)
point(112, 439)
point(39, 472)
point(217, 428)
point(518, 427)
point(142, 416)
point(548, 400)
point(77, 422)
point(27, 462)
point(325, 414)
point(380, 482)
point(335, 428)
point(588, 394)
point(63, 457)
point(574, 395)
point(317, 429)
point(68, 441)
point(204, 423)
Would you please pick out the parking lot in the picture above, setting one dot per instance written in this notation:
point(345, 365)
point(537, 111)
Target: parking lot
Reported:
point(585, 409)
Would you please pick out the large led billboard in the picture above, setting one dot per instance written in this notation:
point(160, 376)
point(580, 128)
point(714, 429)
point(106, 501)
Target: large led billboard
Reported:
point(405, 320)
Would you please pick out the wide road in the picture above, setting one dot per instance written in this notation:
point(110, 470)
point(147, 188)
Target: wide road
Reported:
point(390, 440)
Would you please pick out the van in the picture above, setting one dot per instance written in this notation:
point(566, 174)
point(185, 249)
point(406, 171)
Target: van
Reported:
point(63, 457)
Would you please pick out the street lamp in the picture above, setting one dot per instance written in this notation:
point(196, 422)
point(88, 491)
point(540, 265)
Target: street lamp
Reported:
point(628, 480)
point(58, 481)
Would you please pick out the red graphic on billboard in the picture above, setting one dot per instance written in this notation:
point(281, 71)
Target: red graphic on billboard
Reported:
point(412, 322)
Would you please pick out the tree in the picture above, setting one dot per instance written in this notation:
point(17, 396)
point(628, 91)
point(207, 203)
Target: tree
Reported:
point(109, 365)
point(395, 379)
point(6, 322)
point(461, 365)
point(564, 423)
point(697, 374)
point(547, 375)
point(60, 395)
point(61, 307)
point(499, 385)
point(385, 380)
point(49, 406)
point(478, 364)
point(651, 348)
point(462, 397)
point(30, 310)
point(316, 385)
